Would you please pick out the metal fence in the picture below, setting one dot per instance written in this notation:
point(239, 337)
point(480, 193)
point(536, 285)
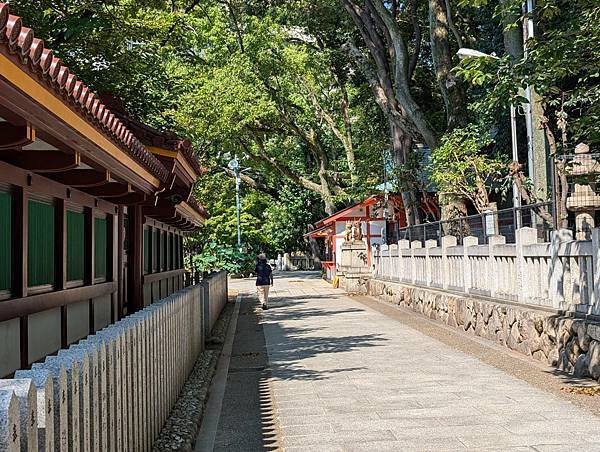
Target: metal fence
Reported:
point(500, 222)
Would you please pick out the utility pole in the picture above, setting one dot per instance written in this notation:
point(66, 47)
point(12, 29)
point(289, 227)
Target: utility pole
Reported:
point(537, 156)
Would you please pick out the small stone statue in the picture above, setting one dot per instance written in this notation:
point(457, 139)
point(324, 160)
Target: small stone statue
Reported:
point(348, 231)
point(357, 232)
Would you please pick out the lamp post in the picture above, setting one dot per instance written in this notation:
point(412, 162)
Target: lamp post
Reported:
point(471, 53)
point(234, 166)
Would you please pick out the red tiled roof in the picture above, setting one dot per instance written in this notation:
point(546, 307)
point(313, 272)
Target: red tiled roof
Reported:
point(151, 136)
point(39, 61)
point(194, 204)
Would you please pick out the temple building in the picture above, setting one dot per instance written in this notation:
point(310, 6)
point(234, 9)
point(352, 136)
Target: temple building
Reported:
point(93, 205)
point(376, 215)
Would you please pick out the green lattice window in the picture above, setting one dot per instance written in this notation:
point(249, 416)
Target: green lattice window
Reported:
point(147, 246)
point(40, 247)
point(100, 247)
point(75, 245)
point(5, 240)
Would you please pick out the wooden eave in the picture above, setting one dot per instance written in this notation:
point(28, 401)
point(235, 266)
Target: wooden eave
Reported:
point(187, 211)
point(176, 162)
point(28, 98)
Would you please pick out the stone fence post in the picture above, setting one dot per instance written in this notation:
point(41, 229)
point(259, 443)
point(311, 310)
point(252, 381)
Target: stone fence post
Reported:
point(42, 379)
point(447, 241)
point(523, 237)
point(428, 261)
point(493, 241)
point(403, 264)
point(26, 393)
point(556, 269)
point(10, 424)
point(468, 242)
point(393, 251)
point(415, 244)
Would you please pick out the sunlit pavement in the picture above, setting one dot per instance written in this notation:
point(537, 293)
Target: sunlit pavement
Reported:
point(345, 377)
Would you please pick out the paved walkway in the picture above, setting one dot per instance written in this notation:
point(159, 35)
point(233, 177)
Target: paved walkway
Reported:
point(345, 377)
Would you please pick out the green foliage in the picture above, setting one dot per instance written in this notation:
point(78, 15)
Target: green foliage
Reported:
point(461, 166)
point(215, 256)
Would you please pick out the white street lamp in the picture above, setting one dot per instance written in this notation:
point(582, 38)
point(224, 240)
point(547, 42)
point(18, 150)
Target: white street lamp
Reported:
point(234, 166)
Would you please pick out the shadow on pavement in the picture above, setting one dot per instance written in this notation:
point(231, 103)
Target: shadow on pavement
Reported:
point(247, 420)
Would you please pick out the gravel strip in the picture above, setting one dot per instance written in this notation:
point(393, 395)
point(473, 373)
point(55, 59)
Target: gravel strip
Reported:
point(182, 426)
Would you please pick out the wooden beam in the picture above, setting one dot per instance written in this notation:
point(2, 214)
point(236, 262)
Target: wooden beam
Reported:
point(120, 261)
point(42, 161)
point(16, 136)
point(79, 178)
point(161, 210)
point(130, 199)
point(110, 190)
point(22, 307)
point(153, 277)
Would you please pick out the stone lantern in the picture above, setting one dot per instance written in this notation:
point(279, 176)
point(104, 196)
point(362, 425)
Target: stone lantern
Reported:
point(583, 200)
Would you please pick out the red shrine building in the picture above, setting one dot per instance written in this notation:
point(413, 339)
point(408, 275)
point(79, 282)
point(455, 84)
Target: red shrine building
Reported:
point(93, 204)
point(375, 214)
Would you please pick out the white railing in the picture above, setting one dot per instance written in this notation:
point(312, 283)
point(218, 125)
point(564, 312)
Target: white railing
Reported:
point(115, 389)
point(563, 274)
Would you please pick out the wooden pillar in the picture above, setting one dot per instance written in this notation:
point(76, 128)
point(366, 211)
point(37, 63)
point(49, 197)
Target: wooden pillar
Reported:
point(60, 261)
point(20, 242)
point(136, 258)
point(112, 270)
point(120, 261)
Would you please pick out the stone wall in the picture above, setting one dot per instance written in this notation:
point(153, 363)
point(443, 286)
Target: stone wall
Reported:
point(569, 344)
point(112, 390)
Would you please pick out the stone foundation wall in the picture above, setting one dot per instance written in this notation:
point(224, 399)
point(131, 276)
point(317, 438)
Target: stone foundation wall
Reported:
point(569, 344)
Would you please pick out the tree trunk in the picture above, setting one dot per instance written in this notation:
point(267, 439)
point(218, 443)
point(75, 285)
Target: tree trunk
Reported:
point(401, 148)
point(451, 88)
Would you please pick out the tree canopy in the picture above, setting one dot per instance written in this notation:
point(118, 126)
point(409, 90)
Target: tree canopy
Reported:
point(311, 94)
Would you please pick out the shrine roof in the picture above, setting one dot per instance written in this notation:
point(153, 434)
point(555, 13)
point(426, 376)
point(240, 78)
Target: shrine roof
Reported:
point(19, 46)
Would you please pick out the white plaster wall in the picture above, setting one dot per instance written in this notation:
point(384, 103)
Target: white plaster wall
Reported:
point(43, 333)
point(147, 291)
point(102, 312)
point(78, 321)
point(9, 346)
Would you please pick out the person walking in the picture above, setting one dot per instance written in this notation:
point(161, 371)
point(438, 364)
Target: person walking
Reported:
point(264, 279)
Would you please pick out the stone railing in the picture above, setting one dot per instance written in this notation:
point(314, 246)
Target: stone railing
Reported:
point(114, 389)
point(562, 275)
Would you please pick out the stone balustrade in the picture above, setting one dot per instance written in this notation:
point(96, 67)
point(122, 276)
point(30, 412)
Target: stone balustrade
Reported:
point(115, 389)
point(563, 274)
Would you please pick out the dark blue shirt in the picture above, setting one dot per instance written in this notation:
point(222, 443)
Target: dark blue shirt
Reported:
point(263, 274)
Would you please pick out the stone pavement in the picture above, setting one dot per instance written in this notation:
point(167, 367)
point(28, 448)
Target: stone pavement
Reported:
point(344, 377)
